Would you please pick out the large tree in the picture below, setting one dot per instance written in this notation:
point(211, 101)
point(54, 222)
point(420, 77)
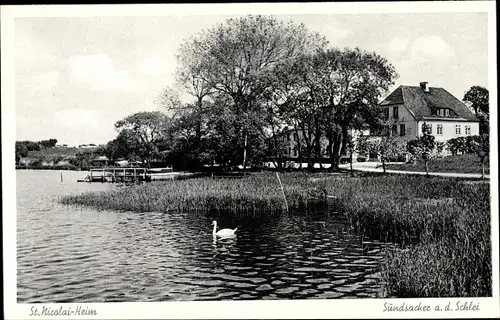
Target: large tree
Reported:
point(150, 129)
point(349, 84)
point(232, 58)
point(478, 98)
point(330, 92)
point(125, 146)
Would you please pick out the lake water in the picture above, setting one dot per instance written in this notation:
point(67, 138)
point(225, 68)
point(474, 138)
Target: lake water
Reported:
point(68, 254)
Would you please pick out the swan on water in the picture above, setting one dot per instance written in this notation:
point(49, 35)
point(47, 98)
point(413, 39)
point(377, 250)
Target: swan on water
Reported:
point(222, 232)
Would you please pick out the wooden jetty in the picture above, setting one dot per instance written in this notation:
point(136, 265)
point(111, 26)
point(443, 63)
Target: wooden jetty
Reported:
point(117, 174)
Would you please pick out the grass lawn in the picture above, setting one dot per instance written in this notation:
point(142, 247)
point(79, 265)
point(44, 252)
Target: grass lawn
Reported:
point(442, 224)
point(463, 163)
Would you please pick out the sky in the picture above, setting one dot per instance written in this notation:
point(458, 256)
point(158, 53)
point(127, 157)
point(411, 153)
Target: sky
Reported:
point(75, 77)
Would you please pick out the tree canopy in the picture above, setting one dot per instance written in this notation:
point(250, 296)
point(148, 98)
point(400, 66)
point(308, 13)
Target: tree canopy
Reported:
point(254, 81)
point(478, 97)
point(146, 131)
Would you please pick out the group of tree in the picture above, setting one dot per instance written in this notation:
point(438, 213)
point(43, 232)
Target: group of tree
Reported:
point(254, 79)
point(24, 147)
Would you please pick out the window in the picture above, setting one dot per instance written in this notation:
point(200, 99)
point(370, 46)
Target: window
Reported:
point(295, 136)
point(458, 129)
point(447, 112)
point(402, 129)
point(295, 152)
point(440, 112)
point(288, 136)
point(439, 129)
point(426, 128)
point(394, 130)
point(395, 114)
point(386, 114)
point(467, 130)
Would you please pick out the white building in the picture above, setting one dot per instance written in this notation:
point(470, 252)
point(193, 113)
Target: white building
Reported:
point(446, 117)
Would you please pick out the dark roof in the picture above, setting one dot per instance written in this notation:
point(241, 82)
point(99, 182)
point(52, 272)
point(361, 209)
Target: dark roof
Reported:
point(421, 104)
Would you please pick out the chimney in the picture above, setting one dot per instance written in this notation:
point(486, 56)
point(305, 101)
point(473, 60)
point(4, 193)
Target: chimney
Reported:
point(424, 86)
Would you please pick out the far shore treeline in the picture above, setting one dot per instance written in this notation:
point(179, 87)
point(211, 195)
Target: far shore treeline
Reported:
point(254, 81)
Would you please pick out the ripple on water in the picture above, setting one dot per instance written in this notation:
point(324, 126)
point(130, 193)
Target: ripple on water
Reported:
point(70, 255)
point(287, 290)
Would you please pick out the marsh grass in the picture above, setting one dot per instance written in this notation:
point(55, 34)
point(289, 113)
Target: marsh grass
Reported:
point(257, 194)
point(441, 224)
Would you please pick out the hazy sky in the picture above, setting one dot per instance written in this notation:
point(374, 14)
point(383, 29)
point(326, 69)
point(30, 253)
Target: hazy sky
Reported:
point(75, 77)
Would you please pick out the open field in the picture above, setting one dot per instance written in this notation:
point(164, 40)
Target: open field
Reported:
point(442, 224)
point(462, 163)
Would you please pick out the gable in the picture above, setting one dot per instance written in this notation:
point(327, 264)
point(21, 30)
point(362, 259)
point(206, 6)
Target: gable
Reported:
point(396, 97)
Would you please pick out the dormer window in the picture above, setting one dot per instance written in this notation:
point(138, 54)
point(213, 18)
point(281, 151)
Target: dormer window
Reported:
point(443, 112)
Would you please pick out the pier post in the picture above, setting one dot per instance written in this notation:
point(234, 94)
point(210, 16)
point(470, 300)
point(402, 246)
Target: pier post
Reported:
point(90, 179)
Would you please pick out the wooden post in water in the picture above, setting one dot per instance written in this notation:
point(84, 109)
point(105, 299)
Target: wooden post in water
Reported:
point(282, 191)
point(90, 179)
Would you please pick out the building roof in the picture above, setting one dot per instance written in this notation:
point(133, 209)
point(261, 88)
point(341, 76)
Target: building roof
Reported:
point(102, 158)
point(422, 105)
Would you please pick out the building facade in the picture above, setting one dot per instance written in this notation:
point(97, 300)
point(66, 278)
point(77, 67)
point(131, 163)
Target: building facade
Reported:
point(412, 109)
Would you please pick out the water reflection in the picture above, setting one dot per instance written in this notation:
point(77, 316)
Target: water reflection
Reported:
point(78, 255)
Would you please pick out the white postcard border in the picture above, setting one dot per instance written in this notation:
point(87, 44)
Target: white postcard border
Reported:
point(337, 308)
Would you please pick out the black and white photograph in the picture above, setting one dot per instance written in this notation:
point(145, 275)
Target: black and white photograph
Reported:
point(252, 160)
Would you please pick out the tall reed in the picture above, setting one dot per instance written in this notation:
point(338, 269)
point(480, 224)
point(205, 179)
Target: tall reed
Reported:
point(442, 224)
point(252, 195)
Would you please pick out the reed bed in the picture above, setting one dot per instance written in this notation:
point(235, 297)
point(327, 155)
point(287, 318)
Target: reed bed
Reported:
point(441, 224)
point(257, 194)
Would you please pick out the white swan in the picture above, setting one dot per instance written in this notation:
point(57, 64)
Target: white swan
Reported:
point(222, 232)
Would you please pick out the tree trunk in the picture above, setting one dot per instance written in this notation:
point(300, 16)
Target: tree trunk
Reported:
point(482, 170)
point(317, 143)
point(383, 165)
point(350, 160)
point(336, 150)
point(427, 167)
point(245, 152)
